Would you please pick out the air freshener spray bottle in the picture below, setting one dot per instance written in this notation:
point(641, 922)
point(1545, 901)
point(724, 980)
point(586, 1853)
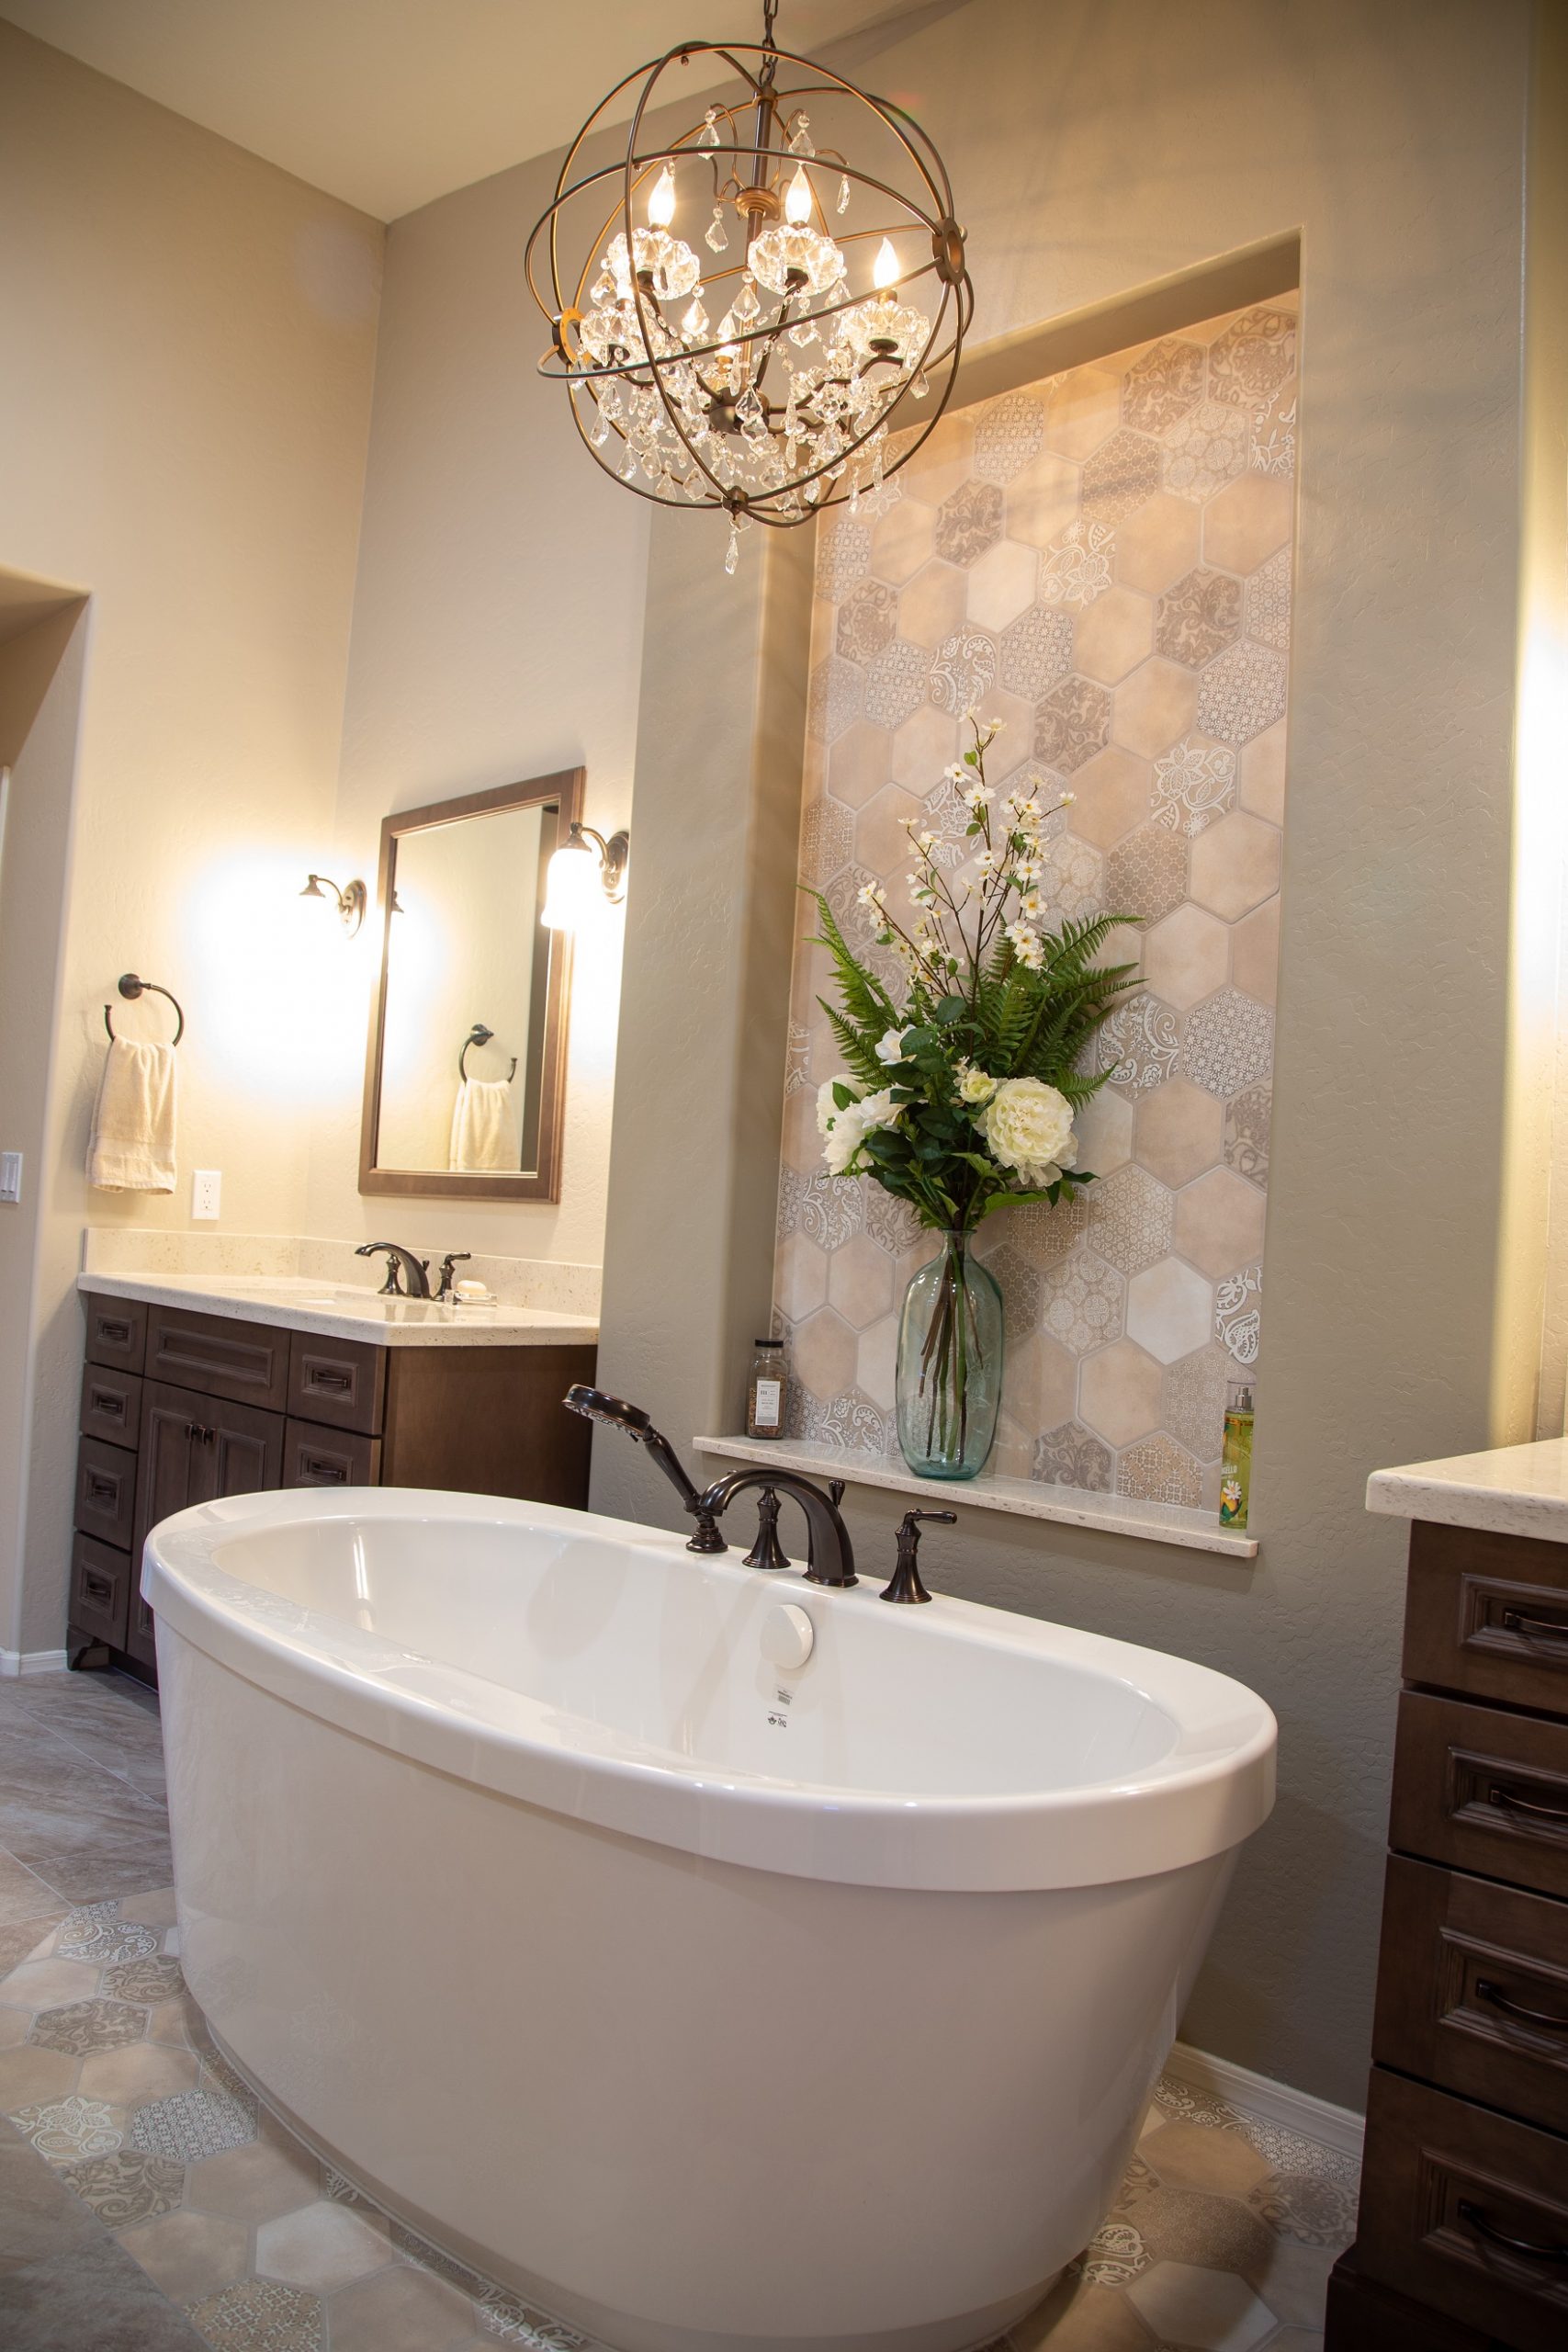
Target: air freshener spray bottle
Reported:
point(1236, 1458)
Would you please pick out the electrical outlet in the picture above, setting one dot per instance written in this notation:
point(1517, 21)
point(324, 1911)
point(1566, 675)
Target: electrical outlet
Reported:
point(206, 1192)
point(10, 1175)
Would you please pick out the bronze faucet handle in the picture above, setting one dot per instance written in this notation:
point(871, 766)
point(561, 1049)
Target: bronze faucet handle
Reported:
point(906, 1585)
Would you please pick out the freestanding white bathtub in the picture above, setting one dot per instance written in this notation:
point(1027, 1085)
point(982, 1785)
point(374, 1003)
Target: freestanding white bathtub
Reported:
point(710, 2003)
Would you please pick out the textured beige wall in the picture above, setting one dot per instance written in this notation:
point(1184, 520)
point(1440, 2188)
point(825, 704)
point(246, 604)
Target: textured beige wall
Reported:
point(183, 413)
point(497, 634)
point(1094, 149)
point(41, 694)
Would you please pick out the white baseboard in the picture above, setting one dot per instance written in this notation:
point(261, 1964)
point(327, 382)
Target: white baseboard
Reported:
point(13, 1662)
point(1338, 2128)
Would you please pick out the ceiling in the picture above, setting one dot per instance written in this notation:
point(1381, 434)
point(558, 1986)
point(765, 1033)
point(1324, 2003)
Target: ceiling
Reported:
point(391, 103)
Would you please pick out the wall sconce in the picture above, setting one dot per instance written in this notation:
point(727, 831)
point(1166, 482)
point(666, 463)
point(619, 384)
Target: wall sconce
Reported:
point(584, 872)
point(351, 902)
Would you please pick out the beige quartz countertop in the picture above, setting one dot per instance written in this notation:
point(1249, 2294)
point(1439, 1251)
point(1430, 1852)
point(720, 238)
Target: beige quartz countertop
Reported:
point(1510, 1490)
point(339, 1311)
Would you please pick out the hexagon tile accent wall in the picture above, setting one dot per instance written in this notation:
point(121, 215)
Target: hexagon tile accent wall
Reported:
point(1104, 562)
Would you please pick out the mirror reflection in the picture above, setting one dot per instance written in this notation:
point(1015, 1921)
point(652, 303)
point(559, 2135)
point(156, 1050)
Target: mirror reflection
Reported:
point(467, 1046)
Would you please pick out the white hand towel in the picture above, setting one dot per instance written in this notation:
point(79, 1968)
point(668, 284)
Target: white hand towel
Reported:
point(484, 1129)
point(132, 1143)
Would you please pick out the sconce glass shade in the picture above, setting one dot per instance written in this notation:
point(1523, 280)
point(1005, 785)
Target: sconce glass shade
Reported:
point(586, 871)
point(572, 891)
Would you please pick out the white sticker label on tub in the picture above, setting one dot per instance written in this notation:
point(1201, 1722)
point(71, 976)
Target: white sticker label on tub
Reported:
point(770, 1395)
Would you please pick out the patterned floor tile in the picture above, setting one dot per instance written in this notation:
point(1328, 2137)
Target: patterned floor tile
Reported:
point(65, 2129)
point(192, 2124)
point(258, 2316)
point(1208, 2311)
point(89, 2025)
point(128, 2187)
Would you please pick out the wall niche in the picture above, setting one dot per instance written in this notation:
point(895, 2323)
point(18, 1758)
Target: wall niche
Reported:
point(1102, 560)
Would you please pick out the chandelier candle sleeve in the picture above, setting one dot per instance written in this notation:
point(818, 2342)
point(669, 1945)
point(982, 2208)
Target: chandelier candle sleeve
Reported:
point(723, 340)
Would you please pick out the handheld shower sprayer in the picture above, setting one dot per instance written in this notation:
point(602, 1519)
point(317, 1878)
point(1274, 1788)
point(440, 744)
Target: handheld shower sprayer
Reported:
point(597, 1405)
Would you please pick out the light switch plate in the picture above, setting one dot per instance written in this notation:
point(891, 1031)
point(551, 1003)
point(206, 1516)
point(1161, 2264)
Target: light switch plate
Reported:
point(206, 1192)
point(10, 1175)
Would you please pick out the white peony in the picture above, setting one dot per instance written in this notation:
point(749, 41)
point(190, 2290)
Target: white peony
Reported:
point(890, 1046)
point(973, 1085)
point(1028, 1125)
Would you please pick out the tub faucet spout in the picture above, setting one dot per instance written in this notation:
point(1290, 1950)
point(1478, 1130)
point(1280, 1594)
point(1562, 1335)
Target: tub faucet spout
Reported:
point(833, 1557)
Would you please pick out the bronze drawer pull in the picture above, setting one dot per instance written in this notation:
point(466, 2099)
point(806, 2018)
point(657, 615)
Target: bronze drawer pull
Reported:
point(1536, 1629)
point(328, 1474)
point(321, 1379)
point(1508, 1803)
point(97, 1588)
point(116, 1335)
point(1494, 2236)
point(105, 1401)
point(102, 1490)
point(1486, 1991)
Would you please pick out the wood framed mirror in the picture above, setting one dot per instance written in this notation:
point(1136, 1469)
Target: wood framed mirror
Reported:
point(465, 1075)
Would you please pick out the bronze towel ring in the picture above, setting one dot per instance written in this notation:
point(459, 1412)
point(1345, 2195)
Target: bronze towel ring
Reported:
point(132, 987)
point(480, 1035)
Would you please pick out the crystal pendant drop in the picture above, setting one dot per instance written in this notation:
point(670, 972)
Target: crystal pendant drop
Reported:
point(708, 135)
point(919, 388)
point(600, 432)
point(732, 552)
point(844, 193)
point(800, 142)
point(716, 236)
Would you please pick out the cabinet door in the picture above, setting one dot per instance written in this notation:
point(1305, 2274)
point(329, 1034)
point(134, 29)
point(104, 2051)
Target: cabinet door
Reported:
point(238, 1451)
point(169, 1420)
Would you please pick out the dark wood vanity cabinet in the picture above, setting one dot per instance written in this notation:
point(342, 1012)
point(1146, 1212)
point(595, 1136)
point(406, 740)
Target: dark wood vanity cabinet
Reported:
point(180, 1408)
point(1463, 2237)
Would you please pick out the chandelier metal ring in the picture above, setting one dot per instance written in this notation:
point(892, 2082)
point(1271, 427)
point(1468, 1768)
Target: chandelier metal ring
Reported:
point(786, 405)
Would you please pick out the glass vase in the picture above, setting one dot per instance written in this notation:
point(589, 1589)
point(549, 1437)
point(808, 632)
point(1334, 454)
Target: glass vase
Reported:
point(949, 1380)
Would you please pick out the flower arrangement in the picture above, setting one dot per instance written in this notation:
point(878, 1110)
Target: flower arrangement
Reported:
point(959, 1090)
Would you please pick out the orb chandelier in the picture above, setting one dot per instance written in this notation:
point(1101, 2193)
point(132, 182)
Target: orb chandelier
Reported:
point(755, 307)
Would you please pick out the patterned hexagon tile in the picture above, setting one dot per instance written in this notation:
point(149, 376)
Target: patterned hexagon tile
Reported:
point(1103, 562)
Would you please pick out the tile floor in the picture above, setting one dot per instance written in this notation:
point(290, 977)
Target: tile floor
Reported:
point(150, 2203)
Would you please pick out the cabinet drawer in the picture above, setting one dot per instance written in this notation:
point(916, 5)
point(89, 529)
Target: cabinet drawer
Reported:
point(1483, 1790)
point(1473, 1990)
point(1443, 2186)
point(101, 1590)
point(340, 1382)
point(318, 1457)
point(117, 1332)
point(111, 1406)
point(247, 1362)
point(105, 1492)
point(1488, 1615)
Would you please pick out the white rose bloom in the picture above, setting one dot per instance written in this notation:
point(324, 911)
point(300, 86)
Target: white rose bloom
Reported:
point(890, 1046)
point(827, 1109)
point(973, 1085)
point(1028, 1125)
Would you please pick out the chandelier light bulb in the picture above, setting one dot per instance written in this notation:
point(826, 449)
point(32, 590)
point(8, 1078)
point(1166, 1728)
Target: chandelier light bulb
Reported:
point(798, 199)
point(885, 269)
point(661, 203)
